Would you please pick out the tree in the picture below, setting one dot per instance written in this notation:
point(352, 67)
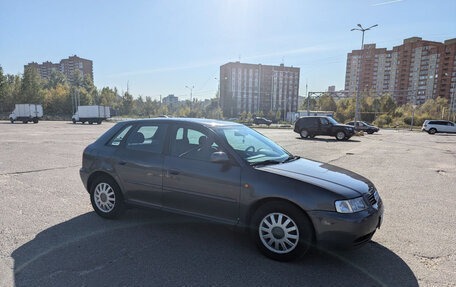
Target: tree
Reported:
point(3, 89)
point(57, 100)
point(278, 115)
point(127, 103)
point(55, 78)
point(326, 103)
point(31, 89)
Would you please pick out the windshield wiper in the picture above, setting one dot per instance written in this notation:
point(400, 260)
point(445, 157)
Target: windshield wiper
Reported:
point(291, 158)
point(265, 162)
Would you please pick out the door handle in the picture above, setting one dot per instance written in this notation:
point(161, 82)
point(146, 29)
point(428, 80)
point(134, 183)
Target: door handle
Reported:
point(173, 172)
point(122, 162)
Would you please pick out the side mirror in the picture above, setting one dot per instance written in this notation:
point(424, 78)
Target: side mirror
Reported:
point(219, 157)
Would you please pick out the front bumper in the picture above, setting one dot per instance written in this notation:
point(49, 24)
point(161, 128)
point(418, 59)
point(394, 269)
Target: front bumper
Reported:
point(340, 230)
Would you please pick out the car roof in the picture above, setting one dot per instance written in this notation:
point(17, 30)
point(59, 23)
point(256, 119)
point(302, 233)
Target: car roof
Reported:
point(203, 122)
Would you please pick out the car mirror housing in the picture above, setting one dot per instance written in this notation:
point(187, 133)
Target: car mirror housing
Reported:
point(220, 157)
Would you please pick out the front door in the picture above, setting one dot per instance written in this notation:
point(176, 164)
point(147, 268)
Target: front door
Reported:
point(140, 163)
point(325, 127)
point(192, 183)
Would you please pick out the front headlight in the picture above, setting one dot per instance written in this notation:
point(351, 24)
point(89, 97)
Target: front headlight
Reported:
point(351, 205)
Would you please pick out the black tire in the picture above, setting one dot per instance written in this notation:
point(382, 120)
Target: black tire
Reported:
point(12, 121)
point(119, 205)
point(35, 120)
point(299, 219)
point(74, 121)
point(432, 131)
point(370, 132)
point(90, 122)
point(25, 122)
point(98, 122)
point(304, 133)
point(340, 135)
point(83, 122)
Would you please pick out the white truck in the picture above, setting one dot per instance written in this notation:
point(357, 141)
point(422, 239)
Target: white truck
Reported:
point(26, 113)
point(91, 114)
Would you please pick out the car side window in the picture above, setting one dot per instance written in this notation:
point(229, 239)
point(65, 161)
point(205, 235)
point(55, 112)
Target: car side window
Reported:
point(117, 139)
point(324, 121)
point(193, 144)
point(147, 137)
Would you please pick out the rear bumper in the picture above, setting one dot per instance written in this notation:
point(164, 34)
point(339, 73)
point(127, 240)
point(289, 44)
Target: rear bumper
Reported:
point(84, 177)
point(339, 230)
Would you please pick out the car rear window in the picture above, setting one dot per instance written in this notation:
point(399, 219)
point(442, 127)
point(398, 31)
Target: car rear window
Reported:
point(117, 139)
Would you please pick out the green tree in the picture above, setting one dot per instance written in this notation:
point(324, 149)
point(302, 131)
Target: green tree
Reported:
point(3, 90)
point(278, 115)
point(31, 88)
point(326, 103)
point(55, 78)
point(127, 103)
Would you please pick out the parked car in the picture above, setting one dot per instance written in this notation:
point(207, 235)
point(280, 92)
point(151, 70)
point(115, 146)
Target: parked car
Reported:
point(363, 126)
point(26, 113)
point(438, 126)
point(314, 126)
point(229, 173)
point(261, 121)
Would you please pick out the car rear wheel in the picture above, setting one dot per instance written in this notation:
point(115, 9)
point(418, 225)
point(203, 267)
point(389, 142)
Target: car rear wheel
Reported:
point(340, 135)
point(281, 231)
point(12, 121)
point(432, 131)
point(370, 132)
point(106, 198)
point(304, 133)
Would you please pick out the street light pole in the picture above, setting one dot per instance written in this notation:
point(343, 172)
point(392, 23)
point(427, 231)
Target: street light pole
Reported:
point(359, 69)
point(191, 96)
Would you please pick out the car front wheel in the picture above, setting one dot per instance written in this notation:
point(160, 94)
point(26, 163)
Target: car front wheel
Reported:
point(340, 135)
point(281, 231)
point(106, 198)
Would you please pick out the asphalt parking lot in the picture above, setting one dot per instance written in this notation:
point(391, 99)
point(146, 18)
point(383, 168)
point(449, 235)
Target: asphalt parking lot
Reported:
point(50, 236)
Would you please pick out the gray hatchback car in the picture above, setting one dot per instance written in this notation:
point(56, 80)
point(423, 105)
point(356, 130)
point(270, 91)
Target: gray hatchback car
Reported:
point(229, 173)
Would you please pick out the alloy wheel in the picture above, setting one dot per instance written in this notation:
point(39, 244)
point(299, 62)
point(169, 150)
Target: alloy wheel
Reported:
point(278, 233)
point(104, 196)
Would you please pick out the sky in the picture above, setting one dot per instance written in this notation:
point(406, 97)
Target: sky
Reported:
point(160, 47)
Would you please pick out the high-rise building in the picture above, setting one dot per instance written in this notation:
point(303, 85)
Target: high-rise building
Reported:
point(253, 88)
point(66, 66)
point(413, 72)
point(170, 99)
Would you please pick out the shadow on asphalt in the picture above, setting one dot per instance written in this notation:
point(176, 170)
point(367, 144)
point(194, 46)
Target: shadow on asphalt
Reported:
point(152, 248)
point(326, 140)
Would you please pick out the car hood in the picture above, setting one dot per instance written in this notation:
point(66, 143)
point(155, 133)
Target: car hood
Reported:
point(315, 172)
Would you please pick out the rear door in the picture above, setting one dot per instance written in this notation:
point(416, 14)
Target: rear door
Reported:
point(192, 183)
point(140, 163)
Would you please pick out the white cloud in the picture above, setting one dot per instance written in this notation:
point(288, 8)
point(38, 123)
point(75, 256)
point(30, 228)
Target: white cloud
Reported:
point(387, 2)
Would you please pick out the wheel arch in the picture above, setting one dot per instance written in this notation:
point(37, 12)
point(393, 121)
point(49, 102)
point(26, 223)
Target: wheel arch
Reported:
point(257, 204)
point(97, 174)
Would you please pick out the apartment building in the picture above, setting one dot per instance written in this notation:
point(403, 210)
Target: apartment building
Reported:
point(170, 99)
point(252, 88)
point(66, 66)
point(413, 72)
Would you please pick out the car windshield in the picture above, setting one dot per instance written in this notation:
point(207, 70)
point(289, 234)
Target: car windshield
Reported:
point(332, 121)
point(252, 146)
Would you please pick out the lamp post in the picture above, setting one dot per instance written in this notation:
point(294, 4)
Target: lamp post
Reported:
point(360, 64)
point(191, 96)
